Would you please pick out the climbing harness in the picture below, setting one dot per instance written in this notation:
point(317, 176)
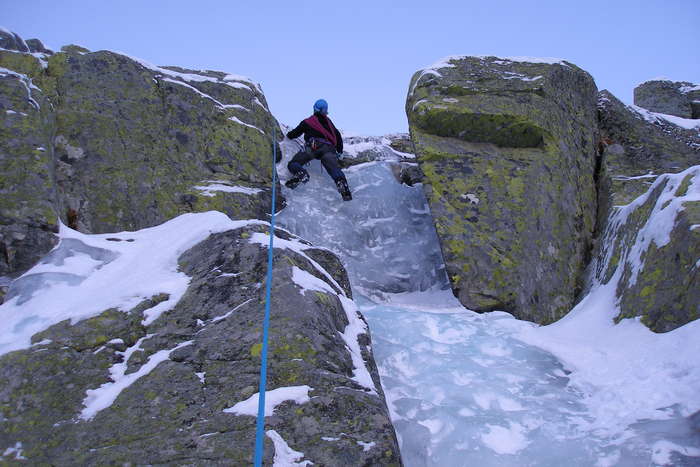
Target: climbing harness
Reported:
point(316, 143)
point(260, 424)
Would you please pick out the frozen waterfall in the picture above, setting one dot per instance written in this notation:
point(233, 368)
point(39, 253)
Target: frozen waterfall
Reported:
point(479, 389)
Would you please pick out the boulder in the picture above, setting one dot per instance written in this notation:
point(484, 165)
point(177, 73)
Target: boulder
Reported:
point(137, 145)
point(679, 98)
point(649, 185)
point(36, 46)
point(115, 143)
point(11, 41)
point(508, 149)
point(179, 411)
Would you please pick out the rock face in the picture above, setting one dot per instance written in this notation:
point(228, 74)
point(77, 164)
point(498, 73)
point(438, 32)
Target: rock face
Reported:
point(11, 41)
point(640, 200)
point(36, 46)
point(119, 144)
point(631, 147)
point(679, 98)
point(508, 152)
point(133, 156)
point(208, 347)
point(28, 219)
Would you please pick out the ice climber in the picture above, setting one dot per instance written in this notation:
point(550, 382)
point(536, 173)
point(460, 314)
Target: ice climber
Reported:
point(323, 141)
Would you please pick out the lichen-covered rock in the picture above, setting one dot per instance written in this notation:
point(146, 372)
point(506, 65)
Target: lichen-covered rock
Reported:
point(136, 146)
point(28, 219)
point(209, 352)
point(73, 49)
point(105, 142)
point(508, 152)
point(643, 196)
point(679, 98)
point(634, 151)
point(651, 251)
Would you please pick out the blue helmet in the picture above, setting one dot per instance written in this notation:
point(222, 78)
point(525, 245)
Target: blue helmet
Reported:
point(321, 106)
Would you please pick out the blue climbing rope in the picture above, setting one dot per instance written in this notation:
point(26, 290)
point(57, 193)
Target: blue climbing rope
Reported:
point(260, 425)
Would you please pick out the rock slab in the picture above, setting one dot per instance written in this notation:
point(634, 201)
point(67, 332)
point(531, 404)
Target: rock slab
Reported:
point(209, 347)
point(103, 142)
point(508, 150)
point(679, 98)
point(648, 181)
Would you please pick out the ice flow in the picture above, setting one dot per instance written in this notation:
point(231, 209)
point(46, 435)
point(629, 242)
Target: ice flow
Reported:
point(462, 388)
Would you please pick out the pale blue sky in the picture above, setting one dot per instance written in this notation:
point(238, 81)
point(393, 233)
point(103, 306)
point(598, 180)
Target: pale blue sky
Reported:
point(360, 55)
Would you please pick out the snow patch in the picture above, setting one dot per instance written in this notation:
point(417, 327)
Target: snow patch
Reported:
point(15, 451)
point(284, 455)
point(471, 197)
point(298, 247)
point(236, 106)
point(229, 80)
point(446, 62)
point(356, 327)
point(215, 186)
point(662, 450)
point(26, 81)
point(257, 101)
point(226, 315)
point(366, 446)
point(273, 398)
point(655, 117)
point(110, 274)
point(691, 88)
point(103, 397)
point(308, 281)
point(236, 120)
point(625, 369)
point(195, 90)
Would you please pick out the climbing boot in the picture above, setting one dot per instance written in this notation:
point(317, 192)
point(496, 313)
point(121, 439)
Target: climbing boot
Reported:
point(343, 189)
point(300, 177)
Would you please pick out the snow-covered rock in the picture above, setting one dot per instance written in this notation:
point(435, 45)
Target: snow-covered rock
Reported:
point(130, 347)
point(649, 203)
point(679, 98)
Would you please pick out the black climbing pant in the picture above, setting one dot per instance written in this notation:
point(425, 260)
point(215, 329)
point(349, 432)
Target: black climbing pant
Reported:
point(328, 158)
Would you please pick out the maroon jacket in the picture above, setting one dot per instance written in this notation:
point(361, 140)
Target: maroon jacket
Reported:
point(318, 126)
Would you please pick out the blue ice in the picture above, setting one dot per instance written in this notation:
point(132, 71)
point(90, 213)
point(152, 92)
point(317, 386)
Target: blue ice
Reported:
point(461, 389)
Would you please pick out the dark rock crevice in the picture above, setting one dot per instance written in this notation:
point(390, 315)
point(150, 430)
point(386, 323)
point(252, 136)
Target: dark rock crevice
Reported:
point(635, 153)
